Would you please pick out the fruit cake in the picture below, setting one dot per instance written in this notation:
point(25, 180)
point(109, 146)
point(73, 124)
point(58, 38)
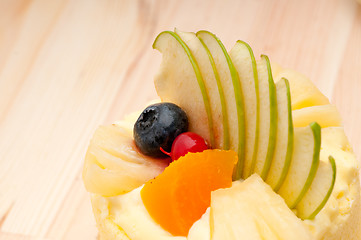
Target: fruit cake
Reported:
point(235, 148)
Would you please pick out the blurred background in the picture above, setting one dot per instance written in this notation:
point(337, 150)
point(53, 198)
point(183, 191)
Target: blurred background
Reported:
point(67, 66)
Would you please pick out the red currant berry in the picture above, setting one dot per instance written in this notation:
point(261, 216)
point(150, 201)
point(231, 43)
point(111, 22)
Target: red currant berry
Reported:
point(187, 142)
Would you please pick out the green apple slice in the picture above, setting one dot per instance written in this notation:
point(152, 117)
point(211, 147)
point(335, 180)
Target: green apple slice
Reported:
point(284, 140)
point(320, 190)
point(325, 115)
point(180, 81)
point(243, 59)
point(226, 140)
point(304, 93)
point(267, 119)
point(213, 85)
point(233, 96)
point(304, 164)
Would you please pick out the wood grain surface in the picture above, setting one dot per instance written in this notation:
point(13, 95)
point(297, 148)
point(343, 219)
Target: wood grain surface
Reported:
point(67, 66)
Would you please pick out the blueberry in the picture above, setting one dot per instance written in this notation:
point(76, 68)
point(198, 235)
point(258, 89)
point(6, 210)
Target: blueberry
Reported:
point(157, 127)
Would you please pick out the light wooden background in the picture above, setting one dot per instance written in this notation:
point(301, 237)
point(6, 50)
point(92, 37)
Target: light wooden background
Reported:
point(67, 66)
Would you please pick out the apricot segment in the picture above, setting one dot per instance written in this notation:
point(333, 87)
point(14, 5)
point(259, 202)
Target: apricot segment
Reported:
point(181, 194)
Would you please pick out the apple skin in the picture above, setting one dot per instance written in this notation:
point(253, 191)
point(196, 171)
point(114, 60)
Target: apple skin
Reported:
point(235, 99)
point(170, 84)
point(308, 208)
point(323, 203)
point(316, 129)
point(240, 114)
point(246, 66)
point(226, 137)
point(285, 137)
point(304, 164)
point(213, 85)
point(268, 119)
point(273, 120)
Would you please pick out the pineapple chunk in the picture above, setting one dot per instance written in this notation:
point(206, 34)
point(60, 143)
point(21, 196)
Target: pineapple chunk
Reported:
point(251, 210)
point(276, 68)
point(303, 92)
point(231, 217)
point(113, 165)
point(325, 115)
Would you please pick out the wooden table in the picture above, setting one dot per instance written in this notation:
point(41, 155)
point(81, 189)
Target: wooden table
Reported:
point(67, 66)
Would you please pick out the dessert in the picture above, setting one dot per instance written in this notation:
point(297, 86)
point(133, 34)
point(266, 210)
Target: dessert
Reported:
point(279, 165)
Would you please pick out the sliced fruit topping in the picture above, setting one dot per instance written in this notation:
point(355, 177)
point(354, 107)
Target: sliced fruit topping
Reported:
point(304, 93)
point(181, 194)
point(325, 115)
point(233, 93)
point(284, 139)
point(320, 190)
point(245, 63)
point(251, 210)
point(268, 119)
point(212, 87)
point(180, 81)
point(237, 105)
point(185, 143)
point(304, 165)
point(222, 118)
point(113, 164)
point(157, 127)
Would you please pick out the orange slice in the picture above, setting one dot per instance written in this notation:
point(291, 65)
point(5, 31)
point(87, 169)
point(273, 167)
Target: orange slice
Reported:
point(181, 194)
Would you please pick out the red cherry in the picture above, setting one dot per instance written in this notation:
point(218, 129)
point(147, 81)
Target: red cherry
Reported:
point(185, 143)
